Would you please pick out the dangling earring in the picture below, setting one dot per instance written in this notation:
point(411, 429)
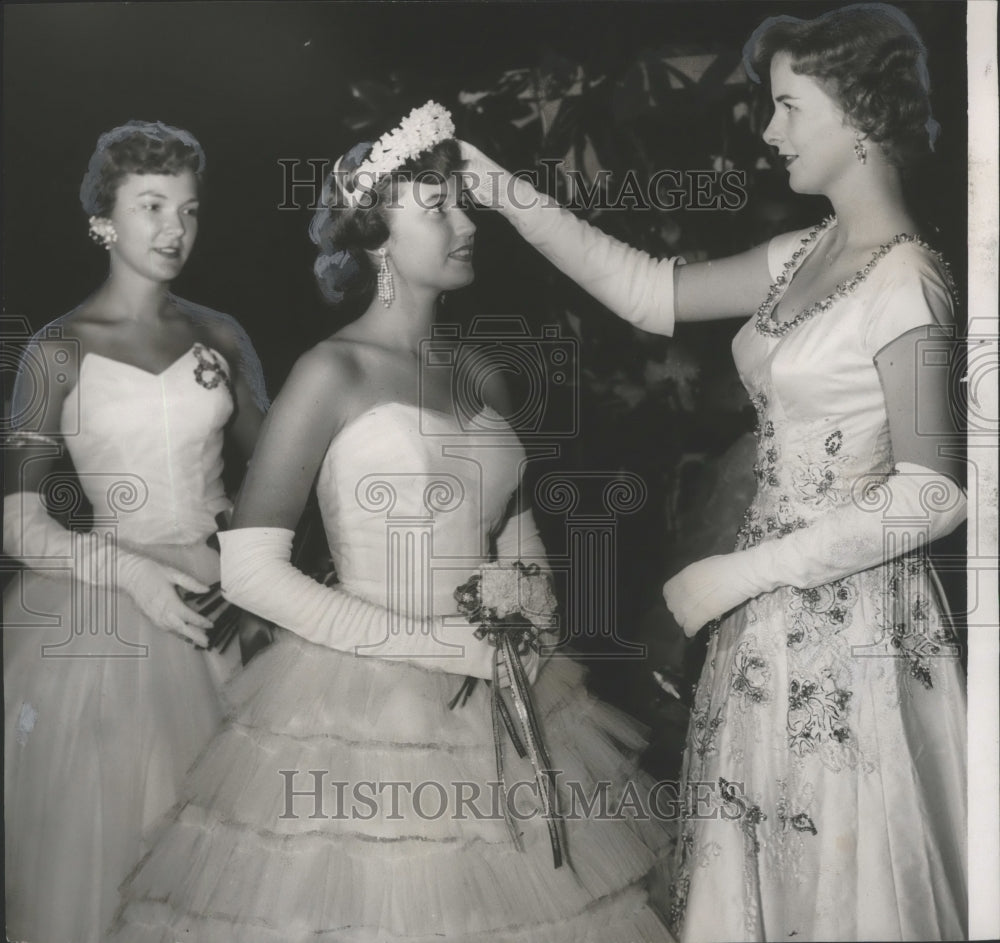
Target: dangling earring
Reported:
point(860, 151)
point(102, 231)
point(386, 289)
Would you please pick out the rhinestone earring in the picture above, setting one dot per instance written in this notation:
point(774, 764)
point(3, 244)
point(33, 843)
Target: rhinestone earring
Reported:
point(102, 231)
point(860, 151)
point(386, 289)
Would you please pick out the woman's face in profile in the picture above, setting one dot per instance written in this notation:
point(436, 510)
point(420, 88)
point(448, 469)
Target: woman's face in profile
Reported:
point(809, 129)
point(156, 218)
point(430, 237)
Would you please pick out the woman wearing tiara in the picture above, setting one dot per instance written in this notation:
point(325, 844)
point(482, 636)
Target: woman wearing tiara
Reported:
point(344, 800)
point(830, 715)
point(108, 693)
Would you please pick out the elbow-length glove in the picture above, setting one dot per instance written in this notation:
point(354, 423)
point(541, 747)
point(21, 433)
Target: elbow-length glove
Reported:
point(914, 505)
point(32, 536)
point(628, 281)
point(258, 575)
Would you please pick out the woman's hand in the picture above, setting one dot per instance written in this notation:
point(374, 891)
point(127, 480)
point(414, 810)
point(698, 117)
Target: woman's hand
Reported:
point(255, 634)
point(706, 590)
point(482, 178)
point(153, 588)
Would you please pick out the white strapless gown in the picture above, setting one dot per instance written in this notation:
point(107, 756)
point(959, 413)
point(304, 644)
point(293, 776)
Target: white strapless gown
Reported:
point(235, 863)
point(103, 713)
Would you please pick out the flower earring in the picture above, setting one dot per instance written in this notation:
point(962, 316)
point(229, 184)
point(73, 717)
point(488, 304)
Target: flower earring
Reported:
point(386, 289)
point(102, 231)
point(860, 151)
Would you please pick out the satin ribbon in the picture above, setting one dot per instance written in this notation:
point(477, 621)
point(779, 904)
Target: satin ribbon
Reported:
point(528, 741)
point(540, 763)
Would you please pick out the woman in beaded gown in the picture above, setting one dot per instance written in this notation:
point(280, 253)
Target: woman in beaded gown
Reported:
point(106, 700)
point(825, 766)
point(343, 800)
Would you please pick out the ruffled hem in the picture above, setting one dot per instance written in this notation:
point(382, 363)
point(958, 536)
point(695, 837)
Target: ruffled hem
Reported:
point(242, 858)
point(623, 918)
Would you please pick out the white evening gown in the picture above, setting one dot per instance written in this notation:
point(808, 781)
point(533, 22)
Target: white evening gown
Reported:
point(104, 714)
point(235, 864)
point(829, 724)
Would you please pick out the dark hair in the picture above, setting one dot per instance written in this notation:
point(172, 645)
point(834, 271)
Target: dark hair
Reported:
point(138, 147)
point(344, 233)
point(870, 59)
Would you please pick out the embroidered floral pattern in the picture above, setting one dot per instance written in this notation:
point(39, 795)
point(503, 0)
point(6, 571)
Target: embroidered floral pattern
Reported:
point(834, 442)
point(756, 527)
point(816, 614)
point(818, 484)
point(748, 815)
point(817, 709)
point(703, 730)
point(751, 676)
point(910, 621)
point(765, 469)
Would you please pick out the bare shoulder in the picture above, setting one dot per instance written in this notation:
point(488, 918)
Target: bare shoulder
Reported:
point(323, 381)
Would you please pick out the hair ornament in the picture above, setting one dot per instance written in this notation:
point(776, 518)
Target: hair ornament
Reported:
point(419, 131)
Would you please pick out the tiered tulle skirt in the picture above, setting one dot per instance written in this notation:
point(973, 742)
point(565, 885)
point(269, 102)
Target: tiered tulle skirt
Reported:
point(290, 828)
point(100, 730)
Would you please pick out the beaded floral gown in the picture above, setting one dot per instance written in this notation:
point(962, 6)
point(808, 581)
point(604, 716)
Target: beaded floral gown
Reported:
point(103, 711)
point(288, 830)
point(826, 750)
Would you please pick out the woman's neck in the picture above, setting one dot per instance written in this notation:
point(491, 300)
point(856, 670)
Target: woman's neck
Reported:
point(405, 323)
point(870, 208)
point(130, 297)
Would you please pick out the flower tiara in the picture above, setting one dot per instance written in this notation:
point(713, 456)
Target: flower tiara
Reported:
point(418, 132)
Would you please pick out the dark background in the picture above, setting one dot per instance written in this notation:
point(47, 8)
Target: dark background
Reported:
point(258, 82)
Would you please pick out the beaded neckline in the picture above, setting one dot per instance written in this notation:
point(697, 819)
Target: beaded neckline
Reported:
point(765, 322)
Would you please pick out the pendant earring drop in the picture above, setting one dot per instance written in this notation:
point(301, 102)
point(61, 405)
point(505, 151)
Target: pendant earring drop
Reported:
point(860, 151)
point(386, 289)
point(102, 231)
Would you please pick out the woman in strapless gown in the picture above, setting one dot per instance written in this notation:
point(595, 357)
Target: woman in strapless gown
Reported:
point(828, 727)
point(106, 700)
point(343, 799)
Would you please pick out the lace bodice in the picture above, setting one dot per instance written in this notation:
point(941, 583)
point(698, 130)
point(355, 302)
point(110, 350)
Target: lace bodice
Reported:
point(409, 501)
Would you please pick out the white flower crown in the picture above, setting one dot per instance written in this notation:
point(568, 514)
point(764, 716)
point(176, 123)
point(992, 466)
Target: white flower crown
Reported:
point(419, 131)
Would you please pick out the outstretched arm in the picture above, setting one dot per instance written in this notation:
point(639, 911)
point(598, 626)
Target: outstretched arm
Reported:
point(257, 573)
point(650, 293)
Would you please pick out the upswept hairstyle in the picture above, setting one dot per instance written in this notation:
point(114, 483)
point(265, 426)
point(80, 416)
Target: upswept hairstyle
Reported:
point(345, 233)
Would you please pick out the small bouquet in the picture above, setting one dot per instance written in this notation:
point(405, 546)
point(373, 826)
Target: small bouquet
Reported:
point(512, 605)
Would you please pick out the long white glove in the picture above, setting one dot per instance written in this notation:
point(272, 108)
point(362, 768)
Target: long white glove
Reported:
point(257, 575)
point(885, 520)
point(628, 281)
point(32, 536)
